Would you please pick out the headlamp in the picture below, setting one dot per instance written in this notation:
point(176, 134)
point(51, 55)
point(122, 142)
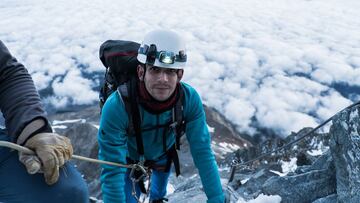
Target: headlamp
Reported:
point(166, 57)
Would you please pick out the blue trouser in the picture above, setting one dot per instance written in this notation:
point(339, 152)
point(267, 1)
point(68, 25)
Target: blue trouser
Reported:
point(16, 185)
point(159, 181)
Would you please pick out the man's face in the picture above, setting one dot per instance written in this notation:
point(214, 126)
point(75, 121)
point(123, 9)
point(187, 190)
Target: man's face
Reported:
point(160, 82)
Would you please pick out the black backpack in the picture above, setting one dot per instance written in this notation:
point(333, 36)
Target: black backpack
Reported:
point(119, 59)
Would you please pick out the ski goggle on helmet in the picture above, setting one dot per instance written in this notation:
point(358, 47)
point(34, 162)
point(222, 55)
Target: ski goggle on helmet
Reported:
point(163, 48)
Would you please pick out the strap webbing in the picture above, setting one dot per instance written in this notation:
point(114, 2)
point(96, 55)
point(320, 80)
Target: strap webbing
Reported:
point(165, 131)
point(173, 156)
point(136, 120)
point(178, 118)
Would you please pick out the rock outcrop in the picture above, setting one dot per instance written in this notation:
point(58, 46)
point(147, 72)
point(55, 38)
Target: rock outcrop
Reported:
point(345, 150)
point(302, 186)
point(333, 176)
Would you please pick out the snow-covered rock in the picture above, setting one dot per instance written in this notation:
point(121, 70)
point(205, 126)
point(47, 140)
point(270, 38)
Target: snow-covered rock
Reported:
point(345, 150)
point(327, 170)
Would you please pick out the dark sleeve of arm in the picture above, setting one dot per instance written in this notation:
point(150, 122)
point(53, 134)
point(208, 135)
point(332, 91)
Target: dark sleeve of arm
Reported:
point(19, 101)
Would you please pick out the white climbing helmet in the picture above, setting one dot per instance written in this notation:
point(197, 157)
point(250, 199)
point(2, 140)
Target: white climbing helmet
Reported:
point(163, 48)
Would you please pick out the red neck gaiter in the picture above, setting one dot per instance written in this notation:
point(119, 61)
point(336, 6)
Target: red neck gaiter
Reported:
point(154, 106)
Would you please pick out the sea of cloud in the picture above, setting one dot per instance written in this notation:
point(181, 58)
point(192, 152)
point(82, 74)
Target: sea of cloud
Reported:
point(268, 64)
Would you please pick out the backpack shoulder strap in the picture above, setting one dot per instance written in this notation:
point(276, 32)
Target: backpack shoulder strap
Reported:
point(178, 118)
point(128, 94)
point(122, 90)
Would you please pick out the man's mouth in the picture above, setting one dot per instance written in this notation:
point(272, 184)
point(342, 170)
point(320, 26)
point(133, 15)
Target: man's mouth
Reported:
point(161, 87)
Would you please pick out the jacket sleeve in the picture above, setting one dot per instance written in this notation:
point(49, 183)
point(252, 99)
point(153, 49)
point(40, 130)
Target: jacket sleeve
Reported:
point(19, 101)
point(198, 136)
point(112, 141)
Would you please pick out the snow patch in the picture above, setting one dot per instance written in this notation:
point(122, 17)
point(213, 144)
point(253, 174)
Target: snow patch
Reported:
point(263, 199)
point(228, 147)
point(211, 129)
point(223, 148)
point(170, 189)
point(59, 126)
point(245, 180)
point(315, 152)
point(57, 122)
point(277, 172)
point(288, 166)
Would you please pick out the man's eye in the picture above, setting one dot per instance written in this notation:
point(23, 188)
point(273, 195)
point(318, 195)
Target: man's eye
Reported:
point(170, 70)
point(155, 69)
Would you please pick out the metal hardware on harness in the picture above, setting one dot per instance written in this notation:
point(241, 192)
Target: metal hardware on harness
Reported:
point(145, 175)
point(173, 125)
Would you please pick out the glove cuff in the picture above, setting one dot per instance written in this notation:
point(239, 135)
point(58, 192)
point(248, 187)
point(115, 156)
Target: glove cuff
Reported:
point(38, 125)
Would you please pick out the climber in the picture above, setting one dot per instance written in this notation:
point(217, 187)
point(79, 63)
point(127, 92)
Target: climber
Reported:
point(46, 176)
point(144, 125)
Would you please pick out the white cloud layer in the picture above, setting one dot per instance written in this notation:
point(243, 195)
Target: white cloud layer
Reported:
point(269, 61)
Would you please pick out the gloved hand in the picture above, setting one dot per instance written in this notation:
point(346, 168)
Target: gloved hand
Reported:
point(52, 151)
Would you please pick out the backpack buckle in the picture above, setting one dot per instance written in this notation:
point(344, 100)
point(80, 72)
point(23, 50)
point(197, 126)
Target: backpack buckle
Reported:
point(173, 125)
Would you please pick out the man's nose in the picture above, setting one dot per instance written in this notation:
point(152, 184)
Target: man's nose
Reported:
point(163, 76)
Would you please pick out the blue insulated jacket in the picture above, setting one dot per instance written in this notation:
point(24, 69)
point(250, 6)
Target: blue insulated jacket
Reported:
point(115, 145)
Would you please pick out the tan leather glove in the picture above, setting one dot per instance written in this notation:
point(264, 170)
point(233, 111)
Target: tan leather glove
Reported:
point(52, 151)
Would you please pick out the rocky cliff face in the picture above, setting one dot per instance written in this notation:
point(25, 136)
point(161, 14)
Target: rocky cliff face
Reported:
point(345, 151)
point(330, 176)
